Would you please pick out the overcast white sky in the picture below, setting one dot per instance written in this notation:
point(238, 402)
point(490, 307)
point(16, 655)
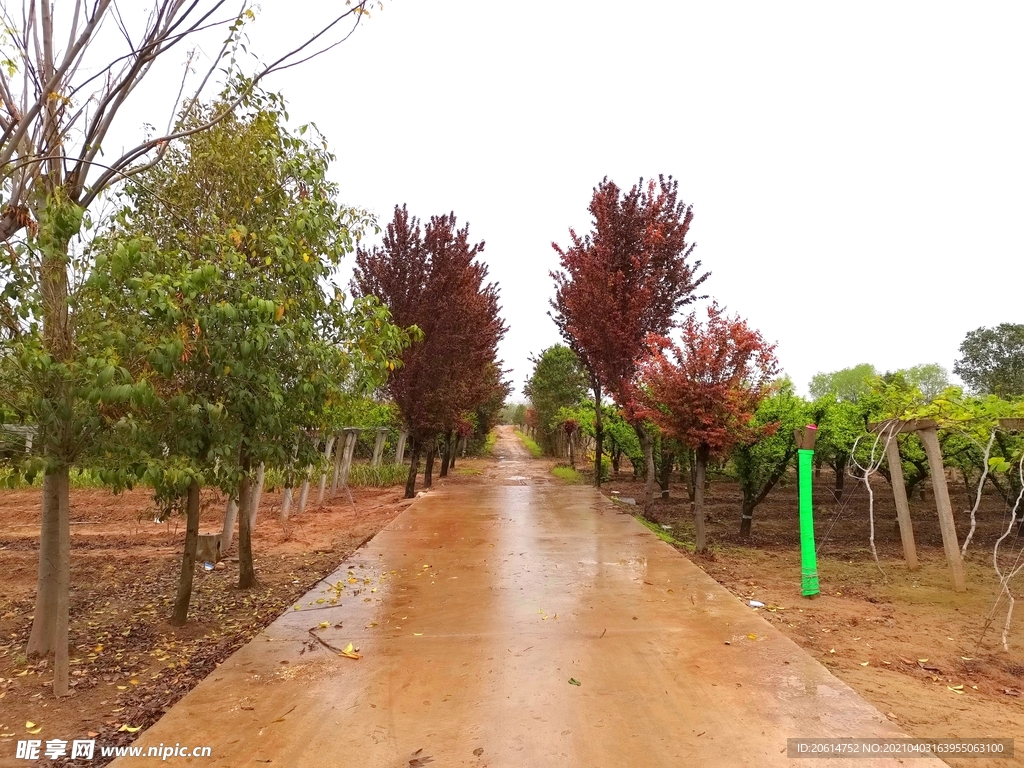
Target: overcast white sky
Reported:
point(855, 170)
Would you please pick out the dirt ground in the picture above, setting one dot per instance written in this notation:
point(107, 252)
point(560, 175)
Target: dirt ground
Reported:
point(128, 664)
point(927, 657)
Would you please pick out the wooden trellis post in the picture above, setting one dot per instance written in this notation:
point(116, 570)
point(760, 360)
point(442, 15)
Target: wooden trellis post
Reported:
point(927, 431)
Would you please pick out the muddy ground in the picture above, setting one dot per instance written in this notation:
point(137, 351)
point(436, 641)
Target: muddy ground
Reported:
point(927, 657)
point(128, 664)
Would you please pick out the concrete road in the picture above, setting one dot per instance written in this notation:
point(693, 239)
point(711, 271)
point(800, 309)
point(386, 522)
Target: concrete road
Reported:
point(473, 612)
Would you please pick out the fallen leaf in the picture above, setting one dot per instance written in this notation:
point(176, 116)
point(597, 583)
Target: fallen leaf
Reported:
point(956, 690)
point(574, 681)
point(417, 634)
point(967, 658)
point(922, 661)
point(324, 624)
point(864, 663)
point(752, 636)
point(350, 652)
point(129, 729)
point(478, 751)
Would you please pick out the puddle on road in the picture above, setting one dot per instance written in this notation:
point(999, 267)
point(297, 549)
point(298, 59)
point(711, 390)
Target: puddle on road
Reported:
point(517, 477)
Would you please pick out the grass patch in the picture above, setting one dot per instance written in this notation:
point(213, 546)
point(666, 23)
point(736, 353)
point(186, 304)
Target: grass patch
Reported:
point(531, 444)
point(664, 535)
point(468, 471)
point(568, 474)
point(378, 477)
point(489, 443)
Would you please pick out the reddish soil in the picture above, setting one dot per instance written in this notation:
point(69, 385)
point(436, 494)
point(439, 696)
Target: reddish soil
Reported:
point(904, 640)
point(128, 664)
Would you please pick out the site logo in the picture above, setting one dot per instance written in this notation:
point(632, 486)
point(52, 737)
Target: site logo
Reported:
point(80, 748)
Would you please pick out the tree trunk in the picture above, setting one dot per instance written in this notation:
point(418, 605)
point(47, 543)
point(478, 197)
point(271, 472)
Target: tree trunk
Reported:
point(446, 454)
point(40, 640)
point(598, 433)
point(841, 475)
point(452, 453)
point(428, 470)
point(227, 534)
point(303, 495)
point(746, 519)
point(246, 572)
point(616, 459)
point(188, 558)
point(650, 479)
point(572, 450)
point(414, 465)
point(700, 538)
point(60, 629)
point(668, 459)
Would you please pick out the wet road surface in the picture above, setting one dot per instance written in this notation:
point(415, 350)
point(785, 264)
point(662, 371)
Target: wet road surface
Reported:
point(472, 612)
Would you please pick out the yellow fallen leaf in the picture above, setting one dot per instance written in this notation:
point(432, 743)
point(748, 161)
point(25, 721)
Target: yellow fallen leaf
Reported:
point(29, 724)
point(353, 581)
point(129, 729)
point(863, 663)
point(958, 687)
point(374, 589)
point(350, 652)
point(923, 661)
point(324, 624)
point(417, 634)
point(752, 636)
point(955, 690)
point(967, 658)
point(122, 687)
point(426, 566)
point(831, 650)
point(34, 731)
point(298, 607)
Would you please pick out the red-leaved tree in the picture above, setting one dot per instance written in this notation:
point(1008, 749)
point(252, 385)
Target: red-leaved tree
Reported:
point(705, 390)
point(619, 284)
point(429, 277)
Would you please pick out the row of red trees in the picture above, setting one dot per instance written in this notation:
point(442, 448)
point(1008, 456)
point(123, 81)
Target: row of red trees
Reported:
point(617, 300)
point(429, 276)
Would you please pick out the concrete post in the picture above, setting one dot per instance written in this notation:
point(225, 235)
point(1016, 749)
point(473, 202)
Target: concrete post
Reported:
point(323, 475)
point(899, 492)
point(930, 440)
point(403, 436)
point(228, 531)
point(257, 495)
point(378, 446)
point(339, 455)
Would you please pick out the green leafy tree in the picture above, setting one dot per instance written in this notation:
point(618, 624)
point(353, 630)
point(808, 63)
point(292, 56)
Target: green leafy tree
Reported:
point(840, 424)
point(761, 464)
point(848, 384)
point(558, 381)
point(992, 360)
point(215, 276)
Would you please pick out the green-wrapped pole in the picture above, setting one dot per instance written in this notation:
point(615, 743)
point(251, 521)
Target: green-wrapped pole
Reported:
point(808, 557)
